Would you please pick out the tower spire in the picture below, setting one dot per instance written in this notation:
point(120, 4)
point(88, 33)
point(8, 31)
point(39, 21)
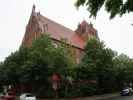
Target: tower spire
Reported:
point(33, 8)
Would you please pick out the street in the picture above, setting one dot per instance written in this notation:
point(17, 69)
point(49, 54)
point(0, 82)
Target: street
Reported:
point(121, 98)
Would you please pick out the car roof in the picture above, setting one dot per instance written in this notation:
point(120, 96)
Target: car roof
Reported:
point(26, 94)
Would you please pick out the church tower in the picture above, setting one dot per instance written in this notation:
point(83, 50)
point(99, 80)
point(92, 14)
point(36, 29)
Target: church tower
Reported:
point(86, 31)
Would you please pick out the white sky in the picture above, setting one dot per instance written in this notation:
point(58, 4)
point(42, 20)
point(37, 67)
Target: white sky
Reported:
point(14, 15)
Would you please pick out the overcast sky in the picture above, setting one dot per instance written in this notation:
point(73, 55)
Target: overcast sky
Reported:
point(14, 15)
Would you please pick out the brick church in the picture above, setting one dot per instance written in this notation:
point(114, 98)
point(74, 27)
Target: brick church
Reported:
point(39, 24)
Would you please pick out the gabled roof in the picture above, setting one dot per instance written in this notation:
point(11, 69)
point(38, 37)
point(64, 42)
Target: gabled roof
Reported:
point(58, 32)
point(40, 24)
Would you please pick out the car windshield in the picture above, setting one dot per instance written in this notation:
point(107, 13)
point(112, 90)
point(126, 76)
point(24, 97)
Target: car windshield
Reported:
point(125, 88)
point(29, 95)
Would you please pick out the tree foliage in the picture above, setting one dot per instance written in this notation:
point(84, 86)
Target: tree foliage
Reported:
point(97, 64)
point(124, 70)
point(37, 64)
point(114, 7)
point(12, 65)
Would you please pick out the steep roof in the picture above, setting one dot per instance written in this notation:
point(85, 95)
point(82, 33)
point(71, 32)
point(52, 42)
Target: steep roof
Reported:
point(40, 24)
point(58, 32)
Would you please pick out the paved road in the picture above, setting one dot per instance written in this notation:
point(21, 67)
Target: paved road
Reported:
point(121, 98)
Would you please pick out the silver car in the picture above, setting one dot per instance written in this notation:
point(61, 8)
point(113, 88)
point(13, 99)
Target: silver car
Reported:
point(126, 91)
point(27, 96)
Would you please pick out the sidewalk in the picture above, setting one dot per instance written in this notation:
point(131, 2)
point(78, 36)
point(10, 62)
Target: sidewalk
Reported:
point(98, 97)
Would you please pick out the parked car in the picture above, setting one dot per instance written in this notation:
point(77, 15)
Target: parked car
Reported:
point(27, 96)
point(8, 96)
point(126, 91)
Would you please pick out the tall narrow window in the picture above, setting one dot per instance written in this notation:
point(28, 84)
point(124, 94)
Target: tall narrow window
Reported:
point(45, 27)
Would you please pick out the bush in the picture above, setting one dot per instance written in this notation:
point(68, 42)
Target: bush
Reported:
point(77, 90)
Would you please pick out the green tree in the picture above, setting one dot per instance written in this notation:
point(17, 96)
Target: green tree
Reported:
point(56, 59)
point(124, 70)
point(12, 65)
point(114, 7)
point(97, 64)
point(36, 65)
point(45, 60)
point(2, 73)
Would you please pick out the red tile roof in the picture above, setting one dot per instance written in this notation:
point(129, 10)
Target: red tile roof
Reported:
point(78, 41)
point(58, 32)
point(40, 24)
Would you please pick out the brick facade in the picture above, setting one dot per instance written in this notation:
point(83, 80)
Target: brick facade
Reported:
point(39, 24)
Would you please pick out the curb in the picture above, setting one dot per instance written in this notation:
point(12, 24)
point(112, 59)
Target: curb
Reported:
point(97, 97)
point(105, 97)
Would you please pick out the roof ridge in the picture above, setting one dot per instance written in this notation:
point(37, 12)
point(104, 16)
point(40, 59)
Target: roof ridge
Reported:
point(57, 23)
point(60, 31)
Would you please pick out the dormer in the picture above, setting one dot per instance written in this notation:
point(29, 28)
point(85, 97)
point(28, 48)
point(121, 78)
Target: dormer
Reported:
point(86, 31)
